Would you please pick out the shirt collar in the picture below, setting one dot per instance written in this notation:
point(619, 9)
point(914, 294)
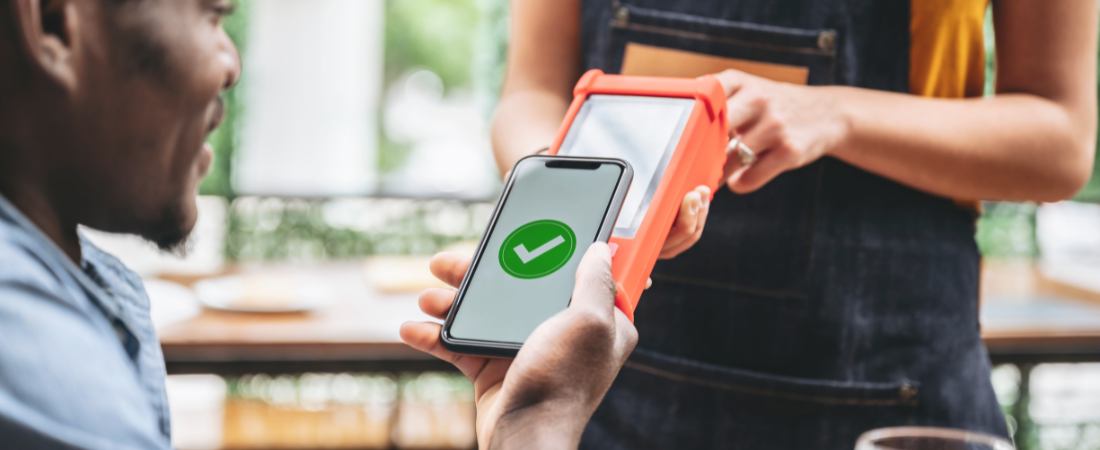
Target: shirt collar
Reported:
point(53, 256)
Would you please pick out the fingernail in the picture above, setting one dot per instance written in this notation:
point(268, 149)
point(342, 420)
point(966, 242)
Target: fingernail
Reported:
point(614, 248)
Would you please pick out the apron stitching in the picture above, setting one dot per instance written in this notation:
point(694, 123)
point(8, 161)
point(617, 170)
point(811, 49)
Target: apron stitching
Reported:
point(731, 41)
point(780, 294)
point(813, 220)
point(768, 392)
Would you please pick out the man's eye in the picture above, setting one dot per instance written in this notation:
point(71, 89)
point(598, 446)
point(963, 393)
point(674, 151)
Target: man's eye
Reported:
point(219, 11)
point(224, 9)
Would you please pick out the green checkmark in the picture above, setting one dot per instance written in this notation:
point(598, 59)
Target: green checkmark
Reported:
point(537, 249)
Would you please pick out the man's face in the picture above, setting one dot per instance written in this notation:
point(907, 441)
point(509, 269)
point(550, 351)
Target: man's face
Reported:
point(150, 76)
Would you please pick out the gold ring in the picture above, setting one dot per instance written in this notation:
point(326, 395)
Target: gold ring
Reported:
point(745, 155)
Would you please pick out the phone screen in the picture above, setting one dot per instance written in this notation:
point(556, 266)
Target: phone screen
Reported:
point(643, 131)
point(526, 269)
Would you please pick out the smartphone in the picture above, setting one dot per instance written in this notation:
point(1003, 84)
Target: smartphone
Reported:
point(551, 210)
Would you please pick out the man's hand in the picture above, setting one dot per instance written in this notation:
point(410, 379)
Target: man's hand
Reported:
point(788, 126)
point(545, 396)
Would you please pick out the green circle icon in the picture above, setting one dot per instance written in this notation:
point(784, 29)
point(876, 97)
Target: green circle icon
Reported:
point(537, 249)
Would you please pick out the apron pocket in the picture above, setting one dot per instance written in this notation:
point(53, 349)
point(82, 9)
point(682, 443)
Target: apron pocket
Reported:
point(764, 47)
point(751, 383)
point(760, 243)
point(660, 401)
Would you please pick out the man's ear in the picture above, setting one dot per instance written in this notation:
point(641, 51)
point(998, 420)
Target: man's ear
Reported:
point(47, 30)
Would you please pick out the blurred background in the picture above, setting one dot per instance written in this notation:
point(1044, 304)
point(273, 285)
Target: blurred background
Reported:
point(357, 145)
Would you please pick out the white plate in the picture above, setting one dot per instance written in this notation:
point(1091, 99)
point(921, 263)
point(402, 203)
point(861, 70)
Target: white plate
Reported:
point(171, 303)
point(268, 293)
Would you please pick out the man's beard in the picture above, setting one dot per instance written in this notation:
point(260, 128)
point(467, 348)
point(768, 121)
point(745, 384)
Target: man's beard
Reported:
point(170, 233)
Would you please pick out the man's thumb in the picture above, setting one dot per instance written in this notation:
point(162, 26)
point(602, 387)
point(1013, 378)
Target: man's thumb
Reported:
point(595, 287)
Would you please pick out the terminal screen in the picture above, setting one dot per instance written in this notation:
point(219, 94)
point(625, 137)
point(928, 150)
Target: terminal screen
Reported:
point(644, 131)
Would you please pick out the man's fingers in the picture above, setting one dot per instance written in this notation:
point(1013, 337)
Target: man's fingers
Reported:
point(626, 336)
point(449, 267)
point(436, 302)
point(595, 288)
point(424, 336)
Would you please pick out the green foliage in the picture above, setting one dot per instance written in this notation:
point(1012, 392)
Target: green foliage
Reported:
point(1091, 192)
point(491, 50)
point(226, 139)
point(1007, 230)
point(436, 35)
point(277, 229)
point(464, 42)
point(391, 155)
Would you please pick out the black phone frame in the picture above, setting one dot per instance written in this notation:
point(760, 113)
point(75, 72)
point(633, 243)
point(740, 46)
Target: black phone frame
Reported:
point(611, 215)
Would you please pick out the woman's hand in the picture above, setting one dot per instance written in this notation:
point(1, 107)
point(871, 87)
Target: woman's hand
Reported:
point(544, 397)
point(689, 223)
point(788, 126)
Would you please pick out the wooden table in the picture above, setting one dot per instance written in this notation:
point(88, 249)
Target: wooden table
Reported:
point(357, 332)
point(1026, 319)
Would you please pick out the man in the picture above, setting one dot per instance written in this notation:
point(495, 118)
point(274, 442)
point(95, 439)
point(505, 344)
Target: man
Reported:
point(104, 108)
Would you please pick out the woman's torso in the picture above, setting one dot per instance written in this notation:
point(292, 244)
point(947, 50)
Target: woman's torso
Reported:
point(831, 297)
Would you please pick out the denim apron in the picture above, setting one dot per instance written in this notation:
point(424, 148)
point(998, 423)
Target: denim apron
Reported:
point(830, 302)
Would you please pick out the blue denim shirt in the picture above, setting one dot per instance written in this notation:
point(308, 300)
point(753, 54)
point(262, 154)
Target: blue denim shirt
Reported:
point(80, 365)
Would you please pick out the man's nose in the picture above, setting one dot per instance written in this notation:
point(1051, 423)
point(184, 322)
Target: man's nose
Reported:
point(232, 60)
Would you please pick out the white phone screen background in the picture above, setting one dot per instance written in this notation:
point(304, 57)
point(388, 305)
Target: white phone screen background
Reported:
point(499, 307)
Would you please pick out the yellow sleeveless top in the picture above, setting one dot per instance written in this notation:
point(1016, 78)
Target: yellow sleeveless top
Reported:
point(947, 48)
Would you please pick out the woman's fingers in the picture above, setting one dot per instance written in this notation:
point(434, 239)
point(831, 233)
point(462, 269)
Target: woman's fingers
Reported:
point(745, 109)
point(449, 267)
point(686, 220)
point(436, 302)
point(731, 80)
point(424, 336)
point(751, 119)
point(767, 167)
point(692, 240)
point(733, 162)
point(765, 139)
point(689, 223)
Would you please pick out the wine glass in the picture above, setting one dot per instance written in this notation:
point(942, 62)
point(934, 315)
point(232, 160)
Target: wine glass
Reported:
point(929, 438)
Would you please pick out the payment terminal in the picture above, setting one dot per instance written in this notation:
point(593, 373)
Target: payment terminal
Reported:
point(674, 133)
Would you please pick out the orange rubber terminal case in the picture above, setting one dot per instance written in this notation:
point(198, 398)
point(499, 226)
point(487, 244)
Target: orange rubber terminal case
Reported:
point(698, 160)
